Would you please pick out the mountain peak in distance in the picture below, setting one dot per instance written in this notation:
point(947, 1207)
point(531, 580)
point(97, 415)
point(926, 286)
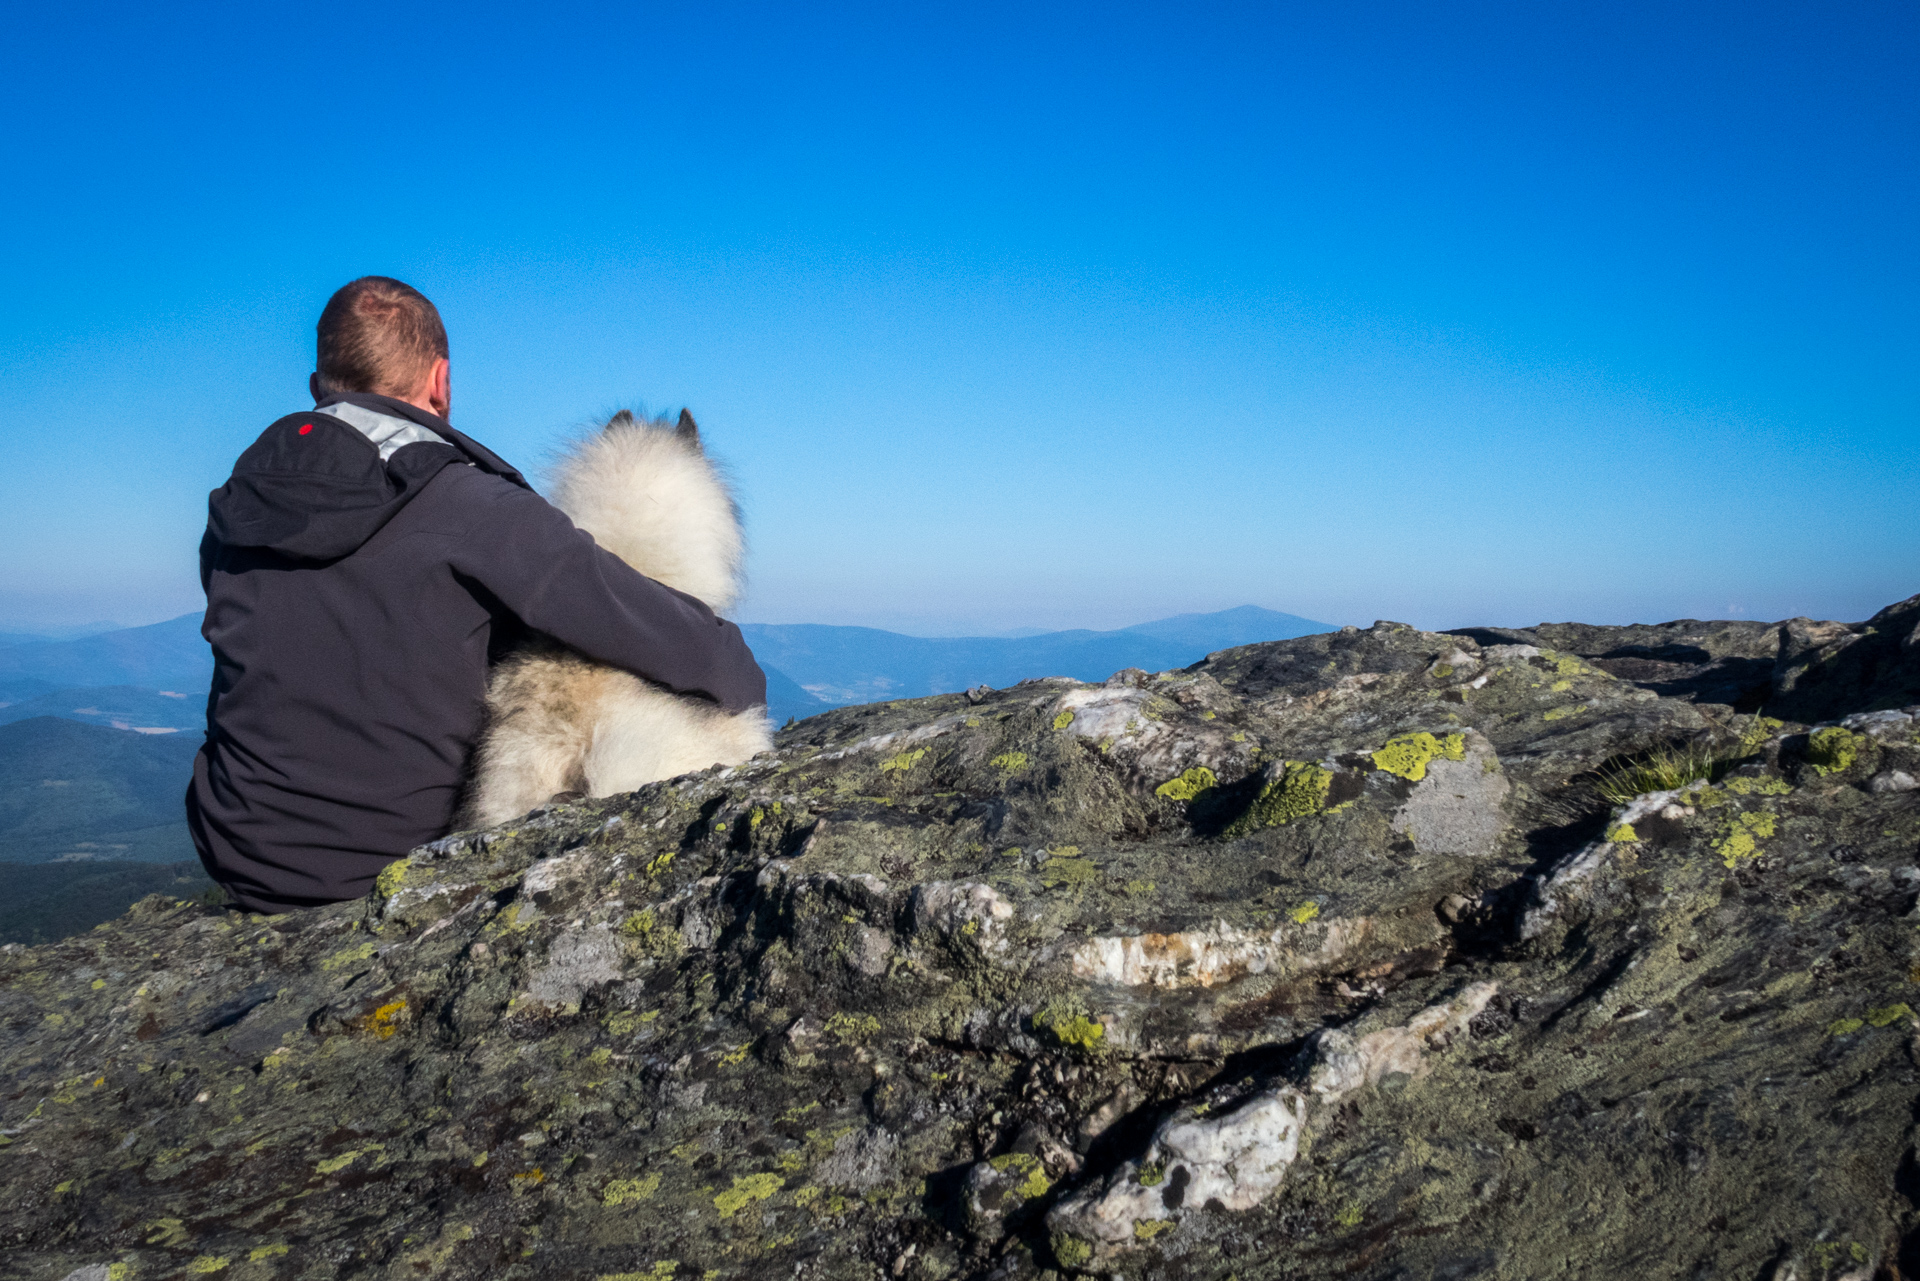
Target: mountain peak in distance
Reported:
point(1224, 629)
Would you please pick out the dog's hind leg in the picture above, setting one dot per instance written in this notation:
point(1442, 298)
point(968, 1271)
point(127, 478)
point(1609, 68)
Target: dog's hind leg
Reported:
point(643, 734)
point(536, 740)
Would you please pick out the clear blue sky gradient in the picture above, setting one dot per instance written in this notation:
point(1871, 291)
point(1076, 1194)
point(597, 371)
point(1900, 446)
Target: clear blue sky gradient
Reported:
point(1056, 316)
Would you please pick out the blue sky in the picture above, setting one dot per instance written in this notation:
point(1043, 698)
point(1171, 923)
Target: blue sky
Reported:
point(1448, 313)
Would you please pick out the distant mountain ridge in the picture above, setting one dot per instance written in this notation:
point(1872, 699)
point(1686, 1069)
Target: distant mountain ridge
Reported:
point(162, 656)
point(131, 678)
point(833, 666)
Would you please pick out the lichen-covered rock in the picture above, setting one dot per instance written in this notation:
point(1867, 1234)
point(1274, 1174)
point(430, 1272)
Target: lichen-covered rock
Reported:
point(1323, 958)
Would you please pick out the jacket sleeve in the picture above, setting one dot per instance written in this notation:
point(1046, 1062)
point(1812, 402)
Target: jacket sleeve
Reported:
point(557, 580)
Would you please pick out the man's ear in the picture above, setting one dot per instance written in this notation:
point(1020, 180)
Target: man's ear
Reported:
point(313, 385)
point(688, 430)
point(440, 388)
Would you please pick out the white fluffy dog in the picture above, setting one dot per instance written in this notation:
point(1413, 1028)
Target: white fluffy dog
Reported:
point(558, 723)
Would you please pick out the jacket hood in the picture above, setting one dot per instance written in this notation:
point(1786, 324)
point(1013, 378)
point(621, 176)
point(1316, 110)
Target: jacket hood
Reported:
point(318, 485)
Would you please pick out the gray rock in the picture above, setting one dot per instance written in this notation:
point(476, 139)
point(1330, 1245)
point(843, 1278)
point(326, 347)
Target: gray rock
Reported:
point(1323, 958)
point(1458, 807)
point(860, 1161)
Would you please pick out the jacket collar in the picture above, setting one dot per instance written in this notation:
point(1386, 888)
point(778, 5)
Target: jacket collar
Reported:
point(388, 432)
point(391, 424)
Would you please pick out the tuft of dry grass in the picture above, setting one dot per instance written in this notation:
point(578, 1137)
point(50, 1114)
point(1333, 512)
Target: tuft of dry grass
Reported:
point(1660, 770)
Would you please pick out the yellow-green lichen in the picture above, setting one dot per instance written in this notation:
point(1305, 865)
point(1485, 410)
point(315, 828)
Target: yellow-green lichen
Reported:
point(1757, 786)
point(745, 1191)
point(1071, 1250)
point(1561, 713)
point(852, 1027)
point(1063, 720)
point(209, 1263)
point(1148, 1229)
point(348, 956)
point(1009, 762)
point(625, 1191)
point(1833, 750)
point(1069, 870)
point(335, 1164)
point(391, 878)
point(1757, 733)
point(904, 761)
point(1566, 664)
point(1889, 1014)
point(261, 1253)
point(1841, 1027)
point(1305, 912)
point(1032, 1175)
point(1740, 841)
point(1409, 754)
point(1190, 785)
point(1066, 1021)
point(1622, 833)
point(627, 1022)
point(649, 936)
point(1298, 791)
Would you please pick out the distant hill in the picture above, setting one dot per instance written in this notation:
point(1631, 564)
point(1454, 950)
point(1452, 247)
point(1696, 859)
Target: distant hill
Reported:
point(117, 707)
point(58, 633)
point(164, 656)
point(69, 790)
point(49, 901)
point(834, 666)
point(1247, 625)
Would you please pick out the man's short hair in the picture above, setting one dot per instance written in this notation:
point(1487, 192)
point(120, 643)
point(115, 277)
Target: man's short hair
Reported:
point(377, 335)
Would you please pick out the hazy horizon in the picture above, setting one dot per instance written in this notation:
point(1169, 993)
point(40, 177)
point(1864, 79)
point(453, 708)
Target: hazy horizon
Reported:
point(879, 622)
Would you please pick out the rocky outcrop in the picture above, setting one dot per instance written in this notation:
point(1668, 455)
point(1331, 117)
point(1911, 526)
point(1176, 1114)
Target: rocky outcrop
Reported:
point(1327, 957)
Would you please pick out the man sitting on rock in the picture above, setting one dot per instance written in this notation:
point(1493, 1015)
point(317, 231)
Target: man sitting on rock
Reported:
point(362, 565)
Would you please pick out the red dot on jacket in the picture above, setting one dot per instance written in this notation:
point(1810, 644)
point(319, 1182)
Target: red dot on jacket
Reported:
point(304, 430)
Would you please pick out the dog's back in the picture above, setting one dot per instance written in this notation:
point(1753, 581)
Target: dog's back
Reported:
point(558, 723)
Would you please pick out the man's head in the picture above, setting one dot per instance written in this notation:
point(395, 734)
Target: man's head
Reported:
point(379, 335)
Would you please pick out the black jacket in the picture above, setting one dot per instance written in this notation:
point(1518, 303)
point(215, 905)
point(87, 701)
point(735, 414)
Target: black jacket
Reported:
point(353, 606)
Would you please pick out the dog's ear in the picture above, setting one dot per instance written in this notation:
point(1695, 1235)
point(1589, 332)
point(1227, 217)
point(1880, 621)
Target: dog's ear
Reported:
point(688, 430)
point(622, 419)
